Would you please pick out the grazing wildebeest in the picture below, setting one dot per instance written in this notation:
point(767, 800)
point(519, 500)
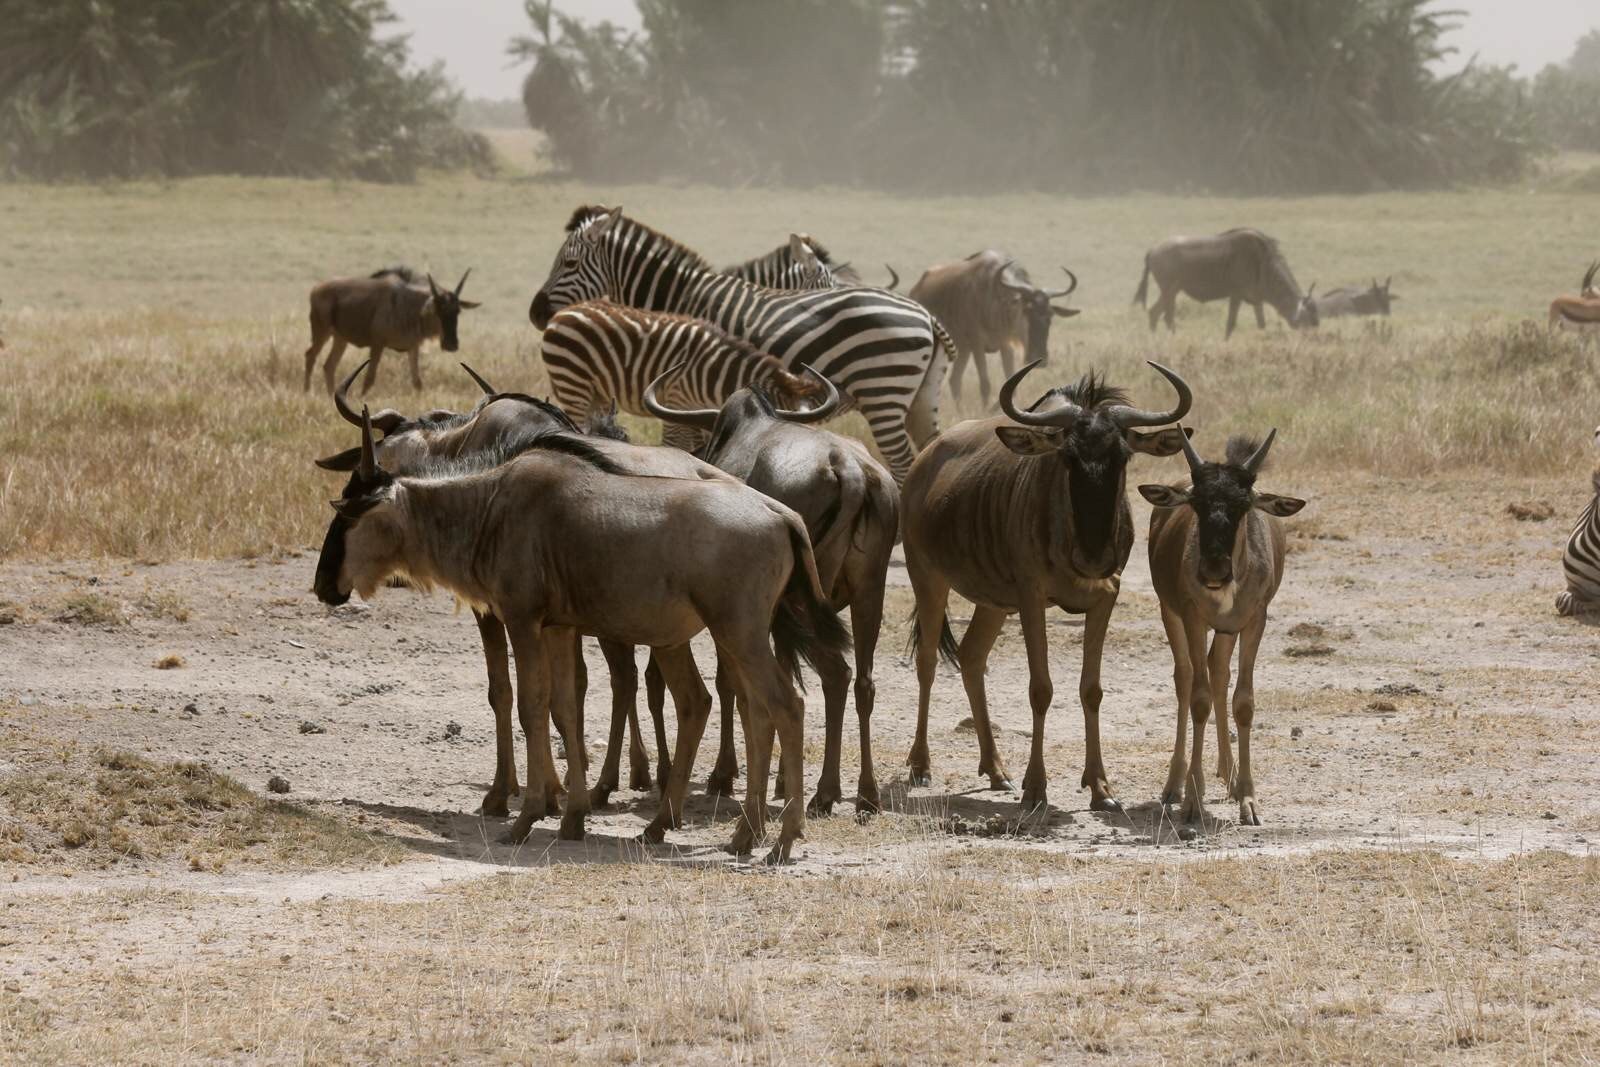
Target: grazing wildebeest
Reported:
point(1017, 514)
point(850, 506)
point(988, 303)
point(795, 265)
point(1348, 300)
point(1216, 560)
point(598, 351)
point(1243, 265)
point(380, 312)
point(1581, 560)
point(556, 540)
point(1581, 312)
point(882, 349)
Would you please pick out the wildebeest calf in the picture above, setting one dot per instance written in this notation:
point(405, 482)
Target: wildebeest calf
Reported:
point(386, 310)
point(1348, 300)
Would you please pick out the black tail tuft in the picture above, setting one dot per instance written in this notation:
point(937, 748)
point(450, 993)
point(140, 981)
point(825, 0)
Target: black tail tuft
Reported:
point(804, 629)
point(948, 648)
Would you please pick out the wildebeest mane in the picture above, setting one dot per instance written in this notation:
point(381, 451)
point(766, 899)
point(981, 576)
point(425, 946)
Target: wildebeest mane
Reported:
point(541, 439)
point(1240, 448)
point(402, 271)
point(1088, 392)
point(552, 410)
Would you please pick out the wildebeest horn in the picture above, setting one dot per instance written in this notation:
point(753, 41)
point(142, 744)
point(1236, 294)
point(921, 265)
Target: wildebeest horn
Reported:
point(485, 386)
point(1127, 417)
point(1062, 417)
point(1057, 294)
point(1311, 289)
point(1017, 287)
point(894, 279)
point(700, 419)
point(463, 281)
point(1588, 278)
point(433, 286)
point(1188, 450)
point(1253, 464)
point(822, 410)
point(369, 461)
point(386, 420)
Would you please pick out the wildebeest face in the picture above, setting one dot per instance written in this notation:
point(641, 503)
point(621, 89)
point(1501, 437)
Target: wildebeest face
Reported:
point(363, 542)
point(1307, 316)
point(447, 307)
point(1034, 307)
point(580, 271)
point(1381, 297)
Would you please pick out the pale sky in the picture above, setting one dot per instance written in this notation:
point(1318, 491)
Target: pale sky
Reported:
point(470, 36)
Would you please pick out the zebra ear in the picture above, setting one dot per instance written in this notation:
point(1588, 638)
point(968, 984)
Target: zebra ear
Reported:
point(801, 252)
point(602, 224)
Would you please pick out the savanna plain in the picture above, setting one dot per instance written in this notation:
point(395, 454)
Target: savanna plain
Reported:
point(1425, 885)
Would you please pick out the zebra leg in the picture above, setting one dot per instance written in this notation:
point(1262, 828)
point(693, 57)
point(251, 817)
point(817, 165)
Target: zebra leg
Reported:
point(888, 425)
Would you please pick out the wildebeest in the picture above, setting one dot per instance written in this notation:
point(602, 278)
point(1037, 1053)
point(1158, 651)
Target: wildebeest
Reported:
point(1348, 300)
point(1017, 514)
point(1581, 312)
point(385, 310)
point(1243, 265)
point(850, 506)
point(1216, 560)
point(1581, 560)
point(556, 540)
point(988, 303)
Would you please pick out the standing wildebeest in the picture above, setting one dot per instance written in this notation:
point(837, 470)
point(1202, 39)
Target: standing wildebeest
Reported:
point(1581, 560)
point(850, 506)
point(1243, 265)
point(989, 304)
point(1016, 518)
point(1348, 300)
point(1581, 312)
point(556, 540)
point(1216, 560)
point(382, 311)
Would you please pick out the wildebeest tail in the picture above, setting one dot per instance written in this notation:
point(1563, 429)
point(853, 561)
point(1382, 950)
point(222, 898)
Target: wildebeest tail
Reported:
point(838, 528)
point(948, 648)
point(805, 628)
point(1141, 293)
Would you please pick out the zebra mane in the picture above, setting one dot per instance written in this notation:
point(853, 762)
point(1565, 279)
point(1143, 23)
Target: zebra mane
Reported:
point(659, 245)
point(1089, 392)
point(583, 215)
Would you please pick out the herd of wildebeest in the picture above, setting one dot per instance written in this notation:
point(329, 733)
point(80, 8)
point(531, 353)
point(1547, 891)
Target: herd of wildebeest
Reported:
point(753, 522)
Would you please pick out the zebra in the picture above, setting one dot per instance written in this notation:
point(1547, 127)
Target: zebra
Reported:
point(882, 349)
point(802, 263)
point(598, 352)
point(1581, 560)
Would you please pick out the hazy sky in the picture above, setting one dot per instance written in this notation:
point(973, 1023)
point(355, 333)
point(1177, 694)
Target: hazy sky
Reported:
point(470, 35)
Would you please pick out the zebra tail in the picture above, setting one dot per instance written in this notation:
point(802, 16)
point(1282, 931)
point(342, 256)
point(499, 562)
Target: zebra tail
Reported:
point(922, 420)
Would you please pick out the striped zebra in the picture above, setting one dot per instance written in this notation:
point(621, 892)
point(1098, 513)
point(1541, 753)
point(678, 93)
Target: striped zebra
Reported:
point(882, 349)
point(801, 264)
point(599, 353)
point(1581, 561)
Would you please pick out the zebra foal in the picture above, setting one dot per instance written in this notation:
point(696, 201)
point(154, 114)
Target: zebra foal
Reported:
point(1581, 560)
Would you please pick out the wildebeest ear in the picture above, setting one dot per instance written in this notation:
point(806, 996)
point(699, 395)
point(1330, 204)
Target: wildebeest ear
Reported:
point(1026, 441)
point(1281, 506)
point(1168, 442)
point(1065, 313)
point(1165, 496)
point(470, 304)
point(341, 461)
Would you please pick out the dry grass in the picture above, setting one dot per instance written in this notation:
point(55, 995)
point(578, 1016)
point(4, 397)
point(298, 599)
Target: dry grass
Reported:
point(994, 955)
point(154, 408)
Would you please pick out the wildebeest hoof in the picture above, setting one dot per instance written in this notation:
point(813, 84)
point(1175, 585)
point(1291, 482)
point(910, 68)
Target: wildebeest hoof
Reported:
point(1187, 833)
point(518, 833)
point(1247, 814)
point(1105, 804)
point(1001, 783)
point(719, 787)
point(822, 803)
point(639, 778)
point(571, 828)
point(495, 807)
point(1170, 797)
point(653, 834)
point(920, 778)
point(779, 856)
point(868, 802)
point(600, 797)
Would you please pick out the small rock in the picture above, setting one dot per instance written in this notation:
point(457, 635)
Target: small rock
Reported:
point(1309, 650)
point(1398, 689)
point(1549, 815)
point(309, 727)
point(1381, 705)
point(967, 725)
point(1295, 732)
point(452, 730)
point(1416, 752)
point(1532, 511)
point(277, 784)
point(1307, 629)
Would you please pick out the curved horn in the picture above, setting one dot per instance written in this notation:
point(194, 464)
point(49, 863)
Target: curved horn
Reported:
point(1057, 294)
point(1188, 450)
point(463, 281)
point(1062, 417)
point(433, 286)
point(341, 403)
point(822, 410)
point(1588, 278)
point(369, 461)
point(1127, 417)
point(700, 419)
point(1259, 457)
point(485, 386)
point(1016, 287)
point(894, 279)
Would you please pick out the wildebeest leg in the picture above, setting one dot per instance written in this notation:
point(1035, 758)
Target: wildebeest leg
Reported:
point(624, 695)
point(655, 698)
point(374, 354)
point(933, 594)
point(496, 658)
point(561, 644)
point(319, 337)
point(866, 619)
point(1035, 791)
point(757, 723)
point(720, 784)
point(1165, 307)
point(1095, 622)
point(331, 366)
point(774, 704)
point(693, 703)
point(533, 707)
point(1233, 316)
point(957, 369)
point(1261, 318)
point(973, 656)
point(1182, 683)
point(416, 371)
point(980, 361)
point(1194, 792)
point(1008, 359)
point(1244, 713)
point(1218, 668)
point(834, 672)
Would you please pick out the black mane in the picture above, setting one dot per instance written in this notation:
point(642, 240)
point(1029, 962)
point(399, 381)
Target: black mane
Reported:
point(583, 214)
point(1240, 448)
point(1088, 392)
point(552, 410)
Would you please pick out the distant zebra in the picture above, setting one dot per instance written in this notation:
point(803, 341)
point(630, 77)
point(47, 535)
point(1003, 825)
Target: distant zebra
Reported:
point(1581, 560)
point(881, 348)
point(801, 264)
point(599, 353)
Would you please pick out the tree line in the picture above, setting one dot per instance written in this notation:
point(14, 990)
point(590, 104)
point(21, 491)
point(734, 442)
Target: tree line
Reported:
point(1242, 96)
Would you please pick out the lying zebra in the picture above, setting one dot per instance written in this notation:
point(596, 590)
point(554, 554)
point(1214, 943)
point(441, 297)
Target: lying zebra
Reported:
point(1581, 560)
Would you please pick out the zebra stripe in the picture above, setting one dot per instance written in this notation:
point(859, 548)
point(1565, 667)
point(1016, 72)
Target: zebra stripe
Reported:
point(882, 349)
point(778, 269)
point(598, 352)
point(1581, 562)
